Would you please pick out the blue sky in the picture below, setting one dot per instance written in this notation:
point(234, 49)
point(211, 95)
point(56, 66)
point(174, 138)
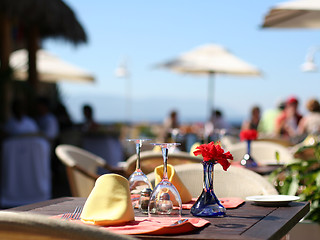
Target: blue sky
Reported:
point(150, 32)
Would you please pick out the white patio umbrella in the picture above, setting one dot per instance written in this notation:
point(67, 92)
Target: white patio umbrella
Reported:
point(294, 14)
point(210, 59)
point(50, 68)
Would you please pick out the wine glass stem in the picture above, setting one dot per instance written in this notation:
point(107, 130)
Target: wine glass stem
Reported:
point(165, 160)
point(138, 147)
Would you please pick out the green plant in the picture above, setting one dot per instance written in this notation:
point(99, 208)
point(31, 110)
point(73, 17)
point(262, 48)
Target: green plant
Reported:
point(302, 178)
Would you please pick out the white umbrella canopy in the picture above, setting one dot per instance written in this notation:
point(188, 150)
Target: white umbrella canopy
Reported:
point(210, 59)
point(50, 68)
point(294, 14)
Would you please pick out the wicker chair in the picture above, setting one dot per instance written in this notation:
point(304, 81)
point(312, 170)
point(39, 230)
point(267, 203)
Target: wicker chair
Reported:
point(149, 160)
point(235, 182)
point(263, 152)
point(82, 167)
point(24, 226)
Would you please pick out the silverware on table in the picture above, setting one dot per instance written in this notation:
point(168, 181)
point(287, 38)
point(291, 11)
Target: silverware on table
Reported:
point(77, 212)
point(73, 216)
point(179, 222)
point(66, 216)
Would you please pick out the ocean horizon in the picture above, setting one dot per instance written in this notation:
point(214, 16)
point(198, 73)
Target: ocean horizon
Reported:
point(115, 109)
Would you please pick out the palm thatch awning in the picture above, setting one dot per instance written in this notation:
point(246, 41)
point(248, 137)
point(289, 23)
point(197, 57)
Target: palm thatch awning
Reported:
point(35, 20)
point(53, 18)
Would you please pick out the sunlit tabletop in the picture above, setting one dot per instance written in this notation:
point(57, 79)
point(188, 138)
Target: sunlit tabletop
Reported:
point(245, 222)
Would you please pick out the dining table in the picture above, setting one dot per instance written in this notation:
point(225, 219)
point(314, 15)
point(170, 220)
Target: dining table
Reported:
point(247, 221)
point(262, 169)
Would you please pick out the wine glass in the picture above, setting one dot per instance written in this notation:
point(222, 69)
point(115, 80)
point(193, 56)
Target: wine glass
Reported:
point(165, 199)
point(138, 181)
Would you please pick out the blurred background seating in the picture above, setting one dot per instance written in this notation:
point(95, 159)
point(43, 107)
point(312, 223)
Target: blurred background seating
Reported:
point(82, 168)
point(149, 160)
point(235, 182)
point(107, 147)
point(263, 152)
point(25, 171)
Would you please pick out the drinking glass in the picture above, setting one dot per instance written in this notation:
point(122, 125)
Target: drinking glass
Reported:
point(165, 200)
point(138, 181)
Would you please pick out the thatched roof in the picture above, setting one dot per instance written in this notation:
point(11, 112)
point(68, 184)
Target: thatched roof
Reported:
point(53, 18)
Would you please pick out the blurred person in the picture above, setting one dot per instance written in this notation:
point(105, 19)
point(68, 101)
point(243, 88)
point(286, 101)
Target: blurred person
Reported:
point(216, 125)
point(171, 126)
point(218, 120)
point(47, 122)
point(63, 117)
point(310, 124)
point(25, 175)
point(253, 121)
point(287, 122)
point(89, 123)
point(267, 123)
point(19, 122)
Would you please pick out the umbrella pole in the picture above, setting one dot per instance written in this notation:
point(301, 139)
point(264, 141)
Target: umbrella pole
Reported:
point(210, 104)
point(128, 99)
point(210, 94)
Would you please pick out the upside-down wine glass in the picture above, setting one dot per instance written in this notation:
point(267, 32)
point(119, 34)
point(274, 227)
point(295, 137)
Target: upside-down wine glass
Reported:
point(138, 181)
point(165, 200)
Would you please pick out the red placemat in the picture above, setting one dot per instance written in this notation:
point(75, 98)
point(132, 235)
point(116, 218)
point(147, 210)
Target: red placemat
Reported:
point(158, 226)
point(153, 226)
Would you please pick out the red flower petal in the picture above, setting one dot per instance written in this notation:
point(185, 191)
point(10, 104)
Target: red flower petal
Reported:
point(250, 134)
point(215, 153)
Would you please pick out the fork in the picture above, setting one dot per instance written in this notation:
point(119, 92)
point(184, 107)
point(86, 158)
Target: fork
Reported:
point(180, 222)
point(76, 214)
point(66, 216)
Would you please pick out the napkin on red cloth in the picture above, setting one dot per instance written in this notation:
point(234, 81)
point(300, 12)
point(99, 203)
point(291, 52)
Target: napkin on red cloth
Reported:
point(229, 203)
point(109, 202)
point(153, 226)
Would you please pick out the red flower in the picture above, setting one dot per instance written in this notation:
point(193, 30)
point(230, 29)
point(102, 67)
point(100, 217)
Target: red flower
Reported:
point(250, 134)
point(214, 153)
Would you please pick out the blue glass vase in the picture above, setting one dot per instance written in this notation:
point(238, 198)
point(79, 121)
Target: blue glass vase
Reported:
point(208, 205)
point(248, 160)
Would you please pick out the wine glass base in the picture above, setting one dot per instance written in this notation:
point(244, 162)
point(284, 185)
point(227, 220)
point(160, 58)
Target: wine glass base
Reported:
point(138, 181)
point(165, 201)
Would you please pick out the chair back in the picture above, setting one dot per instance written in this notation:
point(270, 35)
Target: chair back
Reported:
point(25, 171)
point(26, 226)
point(235, 182)
point(81, 168)
point(262, 151)
point(149, 160)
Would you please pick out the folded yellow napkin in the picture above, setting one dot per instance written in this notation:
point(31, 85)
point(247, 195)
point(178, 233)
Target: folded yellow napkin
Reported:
point(156, 149)
point(175, 180)
point(109, 202)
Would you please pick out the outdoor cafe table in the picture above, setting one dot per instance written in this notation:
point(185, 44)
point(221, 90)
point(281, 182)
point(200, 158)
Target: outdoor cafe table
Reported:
point(245, 222)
